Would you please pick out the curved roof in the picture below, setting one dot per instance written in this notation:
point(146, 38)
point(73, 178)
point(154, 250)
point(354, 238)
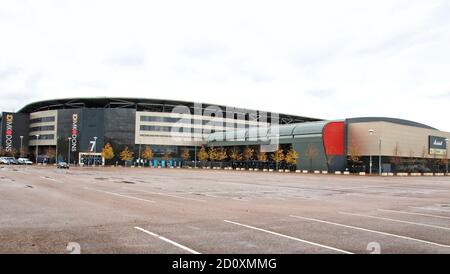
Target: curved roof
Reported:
point(135, 103)
point(390, 120)
point(290, 130)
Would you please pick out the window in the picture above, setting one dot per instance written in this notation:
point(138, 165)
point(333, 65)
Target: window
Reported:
point(42, 119)
point(43, 137)
point(42, 128)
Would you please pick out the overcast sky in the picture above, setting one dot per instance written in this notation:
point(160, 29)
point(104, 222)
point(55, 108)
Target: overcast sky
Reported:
point(324, 59)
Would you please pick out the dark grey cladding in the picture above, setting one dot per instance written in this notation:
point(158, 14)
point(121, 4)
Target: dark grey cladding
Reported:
point(19, 124)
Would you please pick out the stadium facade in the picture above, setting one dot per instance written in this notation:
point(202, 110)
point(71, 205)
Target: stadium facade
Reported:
point(80, 127)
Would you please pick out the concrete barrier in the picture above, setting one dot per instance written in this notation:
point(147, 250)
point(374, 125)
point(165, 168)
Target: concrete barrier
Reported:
point(298, 171)
point(439, 174)
point(401, 174)
point(346, 172)
point(428, 174)
point(416, 174)
point(304, 171)
point(324, 171)
point(270, 170)
point(362, 174)
point(287, 171)
point(337, 172)
point(265, 170)
point(316, 171)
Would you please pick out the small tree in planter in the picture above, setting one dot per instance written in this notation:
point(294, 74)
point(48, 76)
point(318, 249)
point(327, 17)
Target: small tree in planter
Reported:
point(221, 155)
point(51, 154)
point(291, 158)
point(126, 155)
point(248, 155)
point(167, 156)
point(147, 154)
point(203, 156)
point(107, 152)
point(185, 155)
point(212, 154)
point(235, 155)
point(262, 157)
point(278, 156)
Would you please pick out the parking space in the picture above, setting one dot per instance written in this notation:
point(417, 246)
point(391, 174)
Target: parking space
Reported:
point(143, 210)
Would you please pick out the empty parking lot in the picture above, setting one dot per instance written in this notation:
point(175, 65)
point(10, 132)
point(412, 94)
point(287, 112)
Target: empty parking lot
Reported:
point(143, 210)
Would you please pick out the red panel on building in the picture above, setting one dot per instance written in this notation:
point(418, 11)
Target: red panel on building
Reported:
point(334, 138)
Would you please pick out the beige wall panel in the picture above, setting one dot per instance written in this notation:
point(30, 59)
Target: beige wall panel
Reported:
point(411, 141)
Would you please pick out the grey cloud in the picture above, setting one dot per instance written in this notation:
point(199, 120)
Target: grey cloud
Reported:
point(131, 58)
point(9, 71)
point(444, 95)
point(398, 42)
point(321, 93)
point(203, 50)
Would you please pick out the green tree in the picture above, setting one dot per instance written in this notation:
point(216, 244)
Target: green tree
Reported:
point(126, 155)
point(212, 154)
point(203, 155)
point(167, 155)
point(185, 155)
point(107, 152)
point(235, 155)
point(262, 156)
point(291, 157)
point(278, 156)
point(248, 153)
point(222, 154)
point(147, 154)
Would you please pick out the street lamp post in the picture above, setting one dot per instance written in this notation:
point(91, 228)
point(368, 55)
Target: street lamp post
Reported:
point(95, 150)
point(139, 159)
point(379, 156)
point(446, 156)
point(68, 151)
point(371, 131)
point(195, 155)
point(37, 148)
point(21, 146)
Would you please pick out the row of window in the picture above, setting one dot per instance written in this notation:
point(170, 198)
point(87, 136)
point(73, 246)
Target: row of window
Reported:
point(42, 119)
point(191, 121)
point(169, 129)
point(43, 137)
point(42, 128)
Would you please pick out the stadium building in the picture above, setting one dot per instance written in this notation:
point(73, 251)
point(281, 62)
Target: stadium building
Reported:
point(77, 129)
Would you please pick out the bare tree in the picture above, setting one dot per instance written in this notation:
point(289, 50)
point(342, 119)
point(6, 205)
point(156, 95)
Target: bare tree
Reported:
point(395, 159)
point(311, 153)
point(330, 160)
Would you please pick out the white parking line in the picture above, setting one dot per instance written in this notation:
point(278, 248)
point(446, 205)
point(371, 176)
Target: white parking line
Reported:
point(371, 230)
point(415, 213)
point(164, 194)
point(289, 237)
point(432, 209)
point(125, 196)
point(395, 220)
point(48, 178)
point(168, 240)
